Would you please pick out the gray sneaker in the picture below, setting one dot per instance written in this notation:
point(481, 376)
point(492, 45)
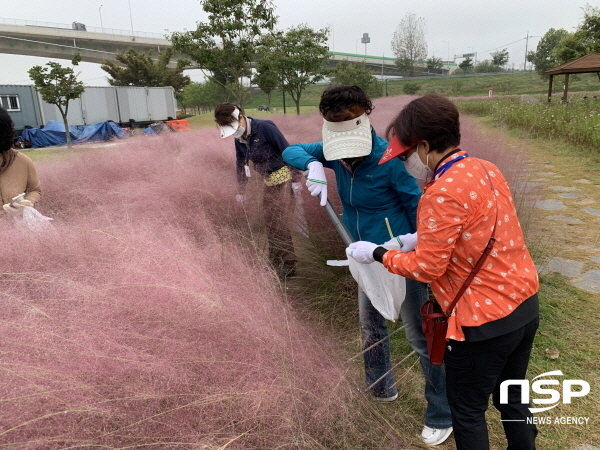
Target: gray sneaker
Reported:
point(386, 399)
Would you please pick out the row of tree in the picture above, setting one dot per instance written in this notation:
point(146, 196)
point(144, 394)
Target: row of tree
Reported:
point(410, 48)
point(559, 46)
point(241, 32)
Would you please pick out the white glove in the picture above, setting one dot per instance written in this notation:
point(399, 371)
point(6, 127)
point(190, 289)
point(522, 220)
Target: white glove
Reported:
point(12, 209)
point(239, 198)
point(408, 242)
point(316, 182)
point(362, 251)
point(17, 206)
point(296, 188)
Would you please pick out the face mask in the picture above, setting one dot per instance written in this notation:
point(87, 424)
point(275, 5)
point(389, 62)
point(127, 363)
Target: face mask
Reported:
point(417, 169)
point(239, 132)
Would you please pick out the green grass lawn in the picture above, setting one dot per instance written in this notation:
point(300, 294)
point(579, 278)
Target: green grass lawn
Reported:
point(451, 86)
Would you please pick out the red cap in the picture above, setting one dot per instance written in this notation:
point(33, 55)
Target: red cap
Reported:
point(395, 148)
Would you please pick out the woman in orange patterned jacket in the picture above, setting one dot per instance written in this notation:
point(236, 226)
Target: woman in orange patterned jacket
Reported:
point(491, 329)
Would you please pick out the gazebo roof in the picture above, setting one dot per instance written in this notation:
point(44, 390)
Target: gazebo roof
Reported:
point(585, 64)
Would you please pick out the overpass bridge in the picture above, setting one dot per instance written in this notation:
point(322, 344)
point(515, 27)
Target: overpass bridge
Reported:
point(96, 45)
point(61, 41)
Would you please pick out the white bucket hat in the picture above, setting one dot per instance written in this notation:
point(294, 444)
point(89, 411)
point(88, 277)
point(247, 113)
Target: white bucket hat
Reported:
point(228, 130)
point(348, 139)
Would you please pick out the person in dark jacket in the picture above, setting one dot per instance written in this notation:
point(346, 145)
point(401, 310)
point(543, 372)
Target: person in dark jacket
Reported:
point(261, 142)
point(370, 194)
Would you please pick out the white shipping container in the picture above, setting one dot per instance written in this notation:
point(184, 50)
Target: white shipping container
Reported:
point(99, 105)
point(160, 102)
point(51, 112)
point(133, 104)
point(117, 103)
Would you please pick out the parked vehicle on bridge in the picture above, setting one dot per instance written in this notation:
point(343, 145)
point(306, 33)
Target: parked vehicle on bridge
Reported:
point(125, 105)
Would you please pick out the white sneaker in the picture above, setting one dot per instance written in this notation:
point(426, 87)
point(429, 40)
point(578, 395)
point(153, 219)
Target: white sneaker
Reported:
point(386, 399)
point(433, 436)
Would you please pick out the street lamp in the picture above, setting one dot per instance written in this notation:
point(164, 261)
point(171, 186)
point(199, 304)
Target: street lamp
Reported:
point(365, 40)
point(330, 26)
point(130, 17)
point(100, 13)
point(448, 60)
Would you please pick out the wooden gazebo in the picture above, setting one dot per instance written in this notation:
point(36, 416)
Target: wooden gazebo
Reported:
point(586, 64)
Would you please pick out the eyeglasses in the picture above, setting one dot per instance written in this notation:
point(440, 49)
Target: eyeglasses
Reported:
point(403, 156)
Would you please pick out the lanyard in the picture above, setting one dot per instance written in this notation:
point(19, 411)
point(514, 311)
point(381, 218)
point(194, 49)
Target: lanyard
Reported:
point(444, 167)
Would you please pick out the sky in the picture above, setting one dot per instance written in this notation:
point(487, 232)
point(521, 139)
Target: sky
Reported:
point(452, 27)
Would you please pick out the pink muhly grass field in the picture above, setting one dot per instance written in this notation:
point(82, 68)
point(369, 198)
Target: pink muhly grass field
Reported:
point(149, 317)
point(146, 319)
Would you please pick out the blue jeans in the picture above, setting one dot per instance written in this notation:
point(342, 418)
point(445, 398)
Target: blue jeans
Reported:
point(377, 360)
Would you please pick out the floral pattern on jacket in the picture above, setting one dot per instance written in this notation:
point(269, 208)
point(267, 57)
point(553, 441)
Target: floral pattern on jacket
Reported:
point(454, 224)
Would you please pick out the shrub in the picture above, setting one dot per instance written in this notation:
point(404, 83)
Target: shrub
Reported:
point(411, 87)
point(456, 86)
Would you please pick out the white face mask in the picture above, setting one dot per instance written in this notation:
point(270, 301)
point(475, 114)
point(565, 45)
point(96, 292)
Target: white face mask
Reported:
point(239, 132)
point(417, 169)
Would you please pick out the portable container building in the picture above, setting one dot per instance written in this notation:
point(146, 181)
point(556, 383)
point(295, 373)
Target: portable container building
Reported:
point(121, 104)
point(22, 105)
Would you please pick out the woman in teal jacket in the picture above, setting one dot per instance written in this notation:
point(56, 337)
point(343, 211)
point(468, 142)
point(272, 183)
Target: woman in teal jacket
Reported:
point(369, 193)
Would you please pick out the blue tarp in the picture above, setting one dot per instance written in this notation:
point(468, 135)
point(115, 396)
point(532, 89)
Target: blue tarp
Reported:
point(54, 133)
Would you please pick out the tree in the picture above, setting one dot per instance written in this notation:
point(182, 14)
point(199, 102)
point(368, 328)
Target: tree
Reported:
point(409, 43)
point(434, 64)
point(589, 29)
point(544, 57)
point(266, 78)
point(466, 64)
point(404, 65)
point(499, 58)
point(487, 66)
point(568, 48)
point(348, 73)
point(141, 70)
point(202, 96)
point(227, 42)
point(58, 85)
point(298, 57)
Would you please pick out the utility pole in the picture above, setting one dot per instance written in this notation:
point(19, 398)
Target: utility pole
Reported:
point(526, 42)
point(382, 60)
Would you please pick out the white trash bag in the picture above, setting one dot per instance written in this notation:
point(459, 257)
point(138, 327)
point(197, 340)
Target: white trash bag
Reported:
point(385, 290)
point(32, 220)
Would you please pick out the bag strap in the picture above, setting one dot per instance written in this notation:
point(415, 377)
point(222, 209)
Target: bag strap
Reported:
point(486, 251)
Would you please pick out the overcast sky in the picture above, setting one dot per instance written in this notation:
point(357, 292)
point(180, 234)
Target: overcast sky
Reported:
point(451, 26)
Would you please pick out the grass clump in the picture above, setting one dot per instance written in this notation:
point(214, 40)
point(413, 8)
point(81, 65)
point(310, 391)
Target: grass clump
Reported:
point(577, 122)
